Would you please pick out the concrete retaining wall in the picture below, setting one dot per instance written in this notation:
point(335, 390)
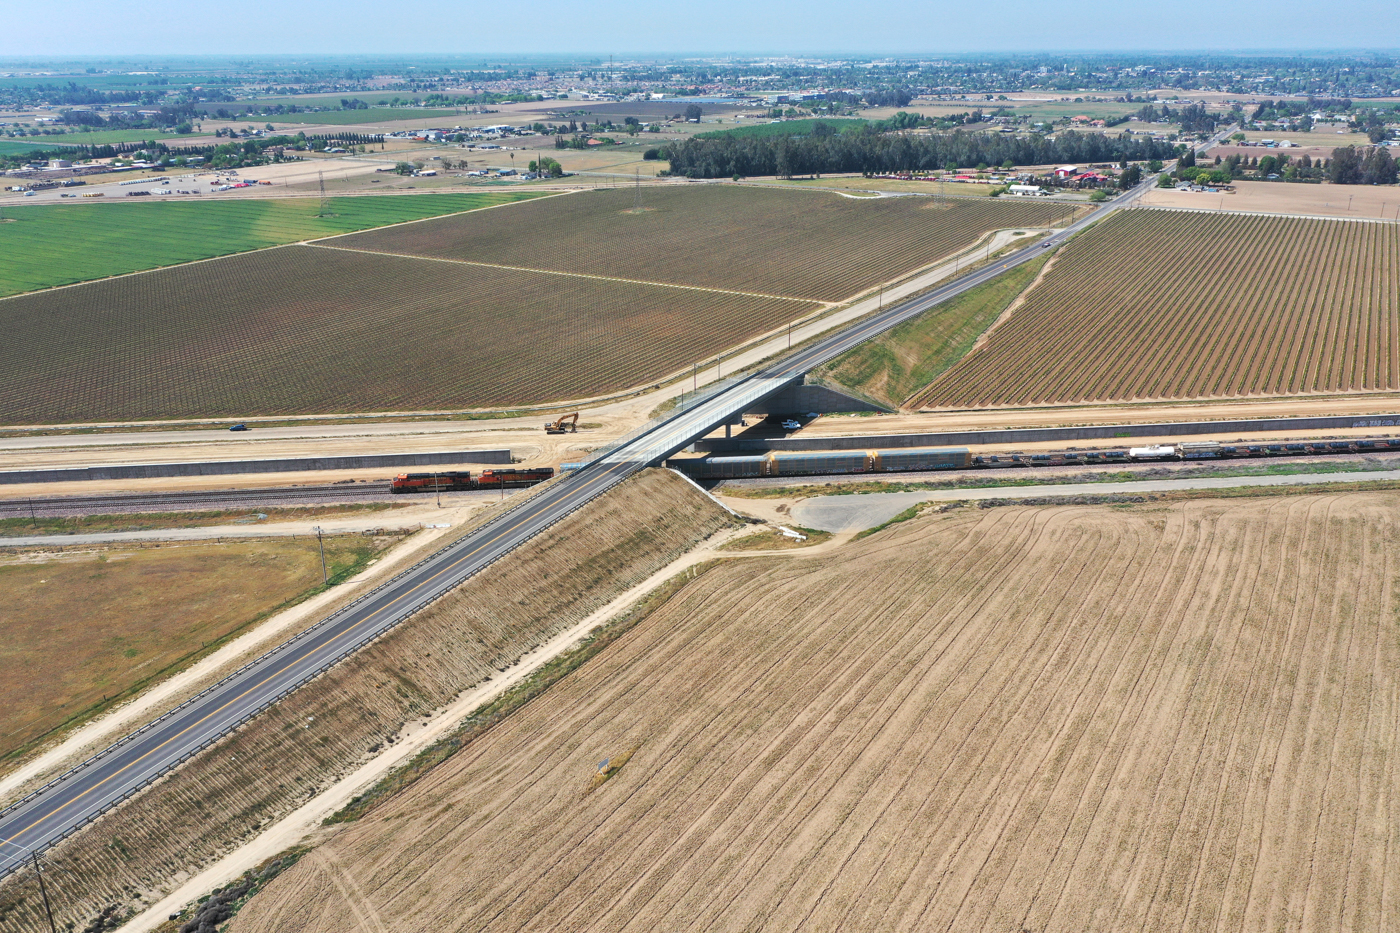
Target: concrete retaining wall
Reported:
point(1221, 430)
point(801, 399)
point(222, 467)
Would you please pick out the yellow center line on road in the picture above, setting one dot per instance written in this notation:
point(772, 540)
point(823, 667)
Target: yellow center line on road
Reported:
point(605, 474)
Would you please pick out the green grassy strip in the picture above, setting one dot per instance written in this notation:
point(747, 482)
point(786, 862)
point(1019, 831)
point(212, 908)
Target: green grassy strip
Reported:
point(904, 516)
point(60, 244)
point(1122, 500)
point(485, 717)
point(895, 365)
point(226, 901)
point(869, 487)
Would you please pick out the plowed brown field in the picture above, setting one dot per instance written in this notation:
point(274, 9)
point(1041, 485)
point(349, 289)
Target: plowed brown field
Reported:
point(804, 244)
point(1053, 719)
point(1155, 304)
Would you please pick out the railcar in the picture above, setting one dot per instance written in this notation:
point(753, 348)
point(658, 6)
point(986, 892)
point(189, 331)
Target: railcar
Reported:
point(512, 478)
point(433, 482)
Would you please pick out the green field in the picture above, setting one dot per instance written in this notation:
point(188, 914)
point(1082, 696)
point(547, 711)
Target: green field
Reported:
point(59, 244)
point(13, 147)
point(785, 128)
point(109, 137)
point(905, 359)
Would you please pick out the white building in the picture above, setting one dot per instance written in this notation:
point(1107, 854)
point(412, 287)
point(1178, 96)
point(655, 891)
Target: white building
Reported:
point(1028, 191)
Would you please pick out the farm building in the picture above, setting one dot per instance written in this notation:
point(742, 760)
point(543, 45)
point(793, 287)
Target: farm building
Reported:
point(1065, 171)
point(1027, 191)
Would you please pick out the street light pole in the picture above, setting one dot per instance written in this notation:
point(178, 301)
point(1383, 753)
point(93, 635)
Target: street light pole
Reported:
point(44, 891)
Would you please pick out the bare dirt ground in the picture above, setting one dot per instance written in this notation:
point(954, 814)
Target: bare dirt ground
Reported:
point(1127, 413)
point(217, 802)
point(1364, 202)
point(1074, 718)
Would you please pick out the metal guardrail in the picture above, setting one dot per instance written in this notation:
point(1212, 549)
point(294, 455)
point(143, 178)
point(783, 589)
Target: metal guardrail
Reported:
point(15, 862)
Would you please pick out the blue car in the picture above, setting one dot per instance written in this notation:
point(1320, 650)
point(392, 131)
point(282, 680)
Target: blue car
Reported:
point(239, 427)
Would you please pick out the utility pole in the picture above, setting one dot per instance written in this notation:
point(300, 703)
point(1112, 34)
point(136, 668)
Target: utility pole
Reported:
point(44, 891)
point(437, 487)
point(325, 578)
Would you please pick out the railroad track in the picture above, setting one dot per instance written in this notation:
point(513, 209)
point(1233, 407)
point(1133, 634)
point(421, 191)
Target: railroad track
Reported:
point(192, 500)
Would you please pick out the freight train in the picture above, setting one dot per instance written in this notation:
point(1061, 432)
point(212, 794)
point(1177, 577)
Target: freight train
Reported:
point(462, 480)
point(920, 459)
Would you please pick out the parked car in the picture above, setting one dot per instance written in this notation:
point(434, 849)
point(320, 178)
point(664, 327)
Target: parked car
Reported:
point(791, 425)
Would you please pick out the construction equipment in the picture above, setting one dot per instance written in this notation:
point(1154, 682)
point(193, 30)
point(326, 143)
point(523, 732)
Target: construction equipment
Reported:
point(563, 425)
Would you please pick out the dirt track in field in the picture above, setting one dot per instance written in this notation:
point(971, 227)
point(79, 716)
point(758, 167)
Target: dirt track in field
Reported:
point(1048, 719)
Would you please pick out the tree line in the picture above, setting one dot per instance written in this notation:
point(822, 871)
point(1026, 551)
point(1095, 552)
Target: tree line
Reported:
point(871, 152)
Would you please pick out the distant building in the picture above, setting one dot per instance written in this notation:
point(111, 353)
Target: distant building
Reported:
point(1065, 171)
point(1027, 191)
point(60, 163)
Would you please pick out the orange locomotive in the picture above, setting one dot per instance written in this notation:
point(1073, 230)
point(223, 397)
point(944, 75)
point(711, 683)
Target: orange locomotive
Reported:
point(461, 480)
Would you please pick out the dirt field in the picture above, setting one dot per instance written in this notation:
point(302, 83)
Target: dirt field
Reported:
point(123, 616)
point(303, 329)
point(811, 245)
point(1368, 202)
point(279, 760)
point(1131, 310)
point(1049, 719)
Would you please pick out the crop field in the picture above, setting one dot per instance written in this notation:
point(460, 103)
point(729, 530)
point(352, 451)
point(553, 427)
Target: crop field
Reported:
point(352, 117)
point(60, 244)
point(1059, 719)
point(1154, 304)
point(271, 766)
point(125, 616)
point(103, 137)
point(802, 244)
point(310, 329)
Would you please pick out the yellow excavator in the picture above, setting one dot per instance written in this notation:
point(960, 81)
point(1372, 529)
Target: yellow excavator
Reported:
point(563, 426)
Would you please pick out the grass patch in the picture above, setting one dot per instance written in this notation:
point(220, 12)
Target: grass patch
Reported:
point(897, 364)
point(223, 903)
point(1121, 500)
point(488, 715)
point(59, 244)
point(26, 526)
point(771, 539)
point(128, 617)
point(608, 768)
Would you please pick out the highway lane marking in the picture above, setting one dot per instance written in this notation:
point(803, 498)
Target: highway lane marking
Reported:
point(68, 803)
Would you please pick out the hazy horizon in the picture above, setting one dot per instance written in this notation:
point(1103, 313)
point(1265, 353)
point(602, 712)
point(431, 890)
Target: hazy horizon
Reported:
point(822, 28)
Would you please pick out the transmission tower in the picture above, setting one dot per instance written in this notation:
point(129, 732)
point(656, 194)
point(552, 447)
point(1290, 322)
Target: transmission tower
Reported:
point(325, 201)
point(637, 198)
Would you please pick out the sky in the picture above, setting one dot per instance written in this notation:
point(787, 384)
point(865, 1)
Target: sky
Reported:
point(623, 27)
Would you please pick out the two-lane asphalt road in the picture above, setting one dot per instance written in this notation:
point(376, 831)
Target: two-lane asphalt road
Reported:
point(68, 803)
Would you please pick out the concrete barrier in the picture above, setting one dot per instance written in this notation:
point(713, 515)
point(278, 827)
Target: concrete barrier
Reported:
point(1013, 436)
point(224, 467)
